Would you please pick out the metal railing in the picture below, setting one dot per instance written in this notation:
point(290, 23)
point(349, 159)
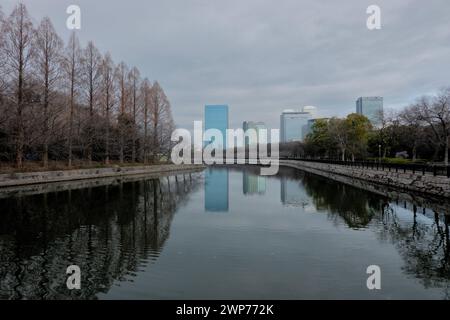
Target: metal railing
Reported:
point(419, 169)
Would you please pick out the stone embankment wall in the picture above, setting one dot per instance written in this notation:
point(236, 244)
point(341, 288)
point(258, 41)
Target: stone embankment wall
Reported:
point(29, 178)
point(428, 184)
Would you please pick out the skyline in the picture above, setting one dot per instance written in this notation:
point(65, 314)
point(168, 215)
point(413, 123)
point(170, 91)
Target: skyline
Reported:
point(266, 57)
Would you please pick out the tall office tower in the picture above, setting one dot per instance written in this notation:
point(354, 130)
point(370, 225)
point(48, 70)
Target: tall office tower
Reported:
point(257, 126)
point(293, 125)
point(216, 117)
point(371, 107)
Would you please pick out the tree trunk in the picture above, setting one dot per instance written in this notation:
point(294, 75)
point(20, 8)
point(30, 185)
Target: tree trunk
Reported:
point(121, 125)
point(145, 134)
point(46, 126)
point(107, 135)
point(436, 152)
point(133, 147)
point(72, 102)
point(70, 130)
point(91, 119)
point(122, 142)
point(20, 139)
point(446, 150)
point(72, 93)
point(20, 129)
point(155, 142)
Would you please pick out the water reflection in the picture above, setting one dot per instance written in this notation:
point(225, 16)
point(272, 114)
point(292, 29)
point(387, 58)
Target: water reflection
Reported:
point(216, 189)
point(252, 183)
point(111, 232)
point(309, 226)
point(355, 206)
point(291, 192)
point(419, 234)
point(422, 241)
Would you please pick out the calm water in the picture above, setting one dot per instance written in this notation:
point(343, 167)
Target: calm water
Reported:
point(223, 233)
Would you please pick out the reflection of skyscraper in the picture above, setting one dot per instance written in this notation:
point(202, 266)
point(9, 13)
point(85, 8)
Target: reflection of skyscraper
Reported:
point(216, 190)
point(216, 117)
point(253, 183)
point(292, 193)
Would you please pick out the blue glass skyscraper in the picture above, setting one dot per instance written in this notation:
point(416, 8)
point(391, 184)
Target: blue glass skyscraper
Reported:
point(371, 107)
point(216, 117)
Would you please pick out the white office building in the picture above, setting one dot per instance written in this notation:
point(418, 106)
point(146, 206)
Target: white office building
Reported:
point(294, 124)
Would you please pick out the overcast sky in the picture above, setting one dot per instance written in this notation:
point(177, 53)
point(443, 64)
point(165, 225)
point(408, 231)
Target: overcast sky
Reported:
point(263, 56)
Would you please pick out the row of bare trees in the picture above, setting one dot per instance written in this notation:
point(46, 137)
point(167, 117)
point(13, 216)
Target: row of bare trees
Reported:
point(431, 113)
point(422, 129)
point(65, 102)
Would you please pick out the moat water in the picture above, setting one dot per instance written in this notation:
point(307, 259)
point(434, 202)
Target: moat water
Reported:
point(224, 233)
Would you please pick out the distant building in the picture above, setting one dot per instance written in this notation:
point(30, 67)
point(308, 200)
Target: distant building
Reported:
point(311, 122)
point(311, 110)
point(257, 126)
point(371, 107)
point(293, 125)
point(216, 117)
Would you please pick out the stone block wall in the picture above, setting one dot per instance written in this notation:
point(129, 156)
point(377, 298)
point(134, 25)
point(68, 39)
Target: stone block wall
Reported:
point(27, 178)
point(429, 184)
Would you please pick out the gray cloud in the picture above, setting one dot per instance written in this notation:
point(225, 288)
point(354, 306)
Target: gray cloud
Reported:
point(261, 56)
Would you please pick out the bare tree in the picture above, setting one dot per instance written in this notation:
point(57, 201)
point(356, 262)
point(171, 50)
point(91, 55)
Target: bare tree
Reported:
point(440, 112)
point(410, 116)
point(339, 134)
point(48, 65)
point(17, 50)
point(91, 60)
point(435, 111)
point(121, 72)
point(146, 96)
point(161, 121)
point(134, 79)
point(72, 66)
point(107, 85)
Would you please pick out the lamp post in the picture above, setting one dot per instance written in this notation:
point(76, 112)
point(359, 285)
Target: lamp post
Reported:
point(379, 153)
